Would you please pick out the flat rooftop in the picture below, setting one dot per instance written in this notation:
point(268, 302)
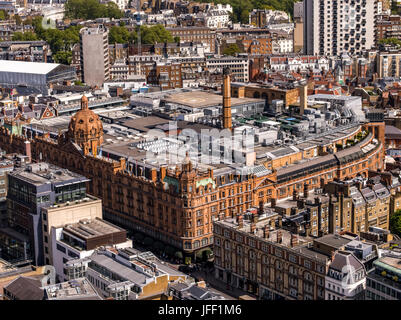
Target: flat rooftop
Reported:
point(77, 289)
point(201, 99)
point(42, 173)
point(392, 262)
point(120, 269)
point(333, 240)
point(88, 229)
point(27, 67)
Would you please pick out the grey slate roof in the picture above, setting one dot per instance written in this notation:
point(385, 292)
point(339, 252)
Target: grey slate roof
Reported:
point(26, 288)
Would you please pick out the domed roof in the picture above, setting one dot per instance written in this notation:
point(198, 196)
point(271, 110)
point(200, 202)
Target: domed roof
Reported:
point(85, 126)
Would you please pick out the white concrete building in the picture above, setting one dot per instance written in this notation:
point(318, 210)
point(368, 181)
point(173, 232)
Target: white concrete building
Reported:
point(334, 26)
point(80, 240)
point(239, 66)
point(301, 63)
point(217, 19)
point(283, 45)
point(346, 278)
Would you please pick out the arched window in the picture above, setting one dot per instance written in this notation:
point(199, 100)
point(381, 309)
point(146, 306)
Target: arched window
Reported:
point(256, 95)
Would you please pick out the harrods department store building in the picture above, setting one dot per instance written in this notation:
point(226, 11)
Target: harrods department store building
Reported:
point(177, 203)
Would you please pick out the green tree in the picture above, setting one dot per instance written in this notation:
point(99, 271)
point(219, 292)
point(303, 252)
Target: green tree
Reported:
point(241, 8)
point(392, 41)
point(60, 41)
point(119, 35)
point(24, 36)
point(63, 57)
point(395, 222)
point(91, 9)
point(18, 19)
point(155, 34)
point(231, 49)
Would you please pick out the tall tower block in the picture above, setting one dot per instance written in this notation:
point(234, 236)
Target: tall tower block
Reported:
point(227, 122)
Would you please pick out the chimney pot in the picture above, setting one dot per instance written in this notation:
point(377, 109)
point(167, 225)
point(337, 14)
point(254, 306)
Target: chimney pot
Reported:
point(240, 221)
point(253, 227)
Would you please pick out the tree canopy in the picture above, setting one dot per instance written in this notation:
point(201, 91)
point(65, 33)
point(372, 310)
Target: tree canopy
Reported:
point(155, 34)
point(149, 35)
point(393, 41)
point(395, 222)
point(231, 49)
point(60, 41)
point(4, 15)
point(121, 35)
point(24, 36)
point(241, 8)
point(91, 9)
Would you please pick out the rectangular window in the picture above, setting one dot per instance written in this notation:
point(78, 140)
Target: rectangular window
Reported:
point(72, 254)
point(61, 248)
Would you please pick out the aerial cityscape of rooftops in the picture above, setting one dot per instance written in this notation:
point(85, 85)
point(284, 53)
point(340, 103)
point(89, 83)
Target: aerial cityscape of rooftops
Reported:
point(196, 150)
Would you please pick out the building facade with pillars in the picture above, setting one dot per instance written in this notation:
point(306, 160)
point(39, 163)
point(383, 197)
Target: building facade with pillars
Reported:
point(177, 206)
point(255, 254)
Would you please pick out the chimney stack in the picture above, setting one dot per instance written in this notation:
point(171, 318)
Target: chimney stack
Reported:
point(240, 221)
point(153, 174)
point(227, 121)
point(273, 202)
point(253, 227)
point(266, 232)
point(306, 190)
point(280, 222)
point(255, 218)
point(333, 253)
point(294, 195)
point(28, 150)
point(261, 208)
point(279, 236)
point(304, 99)
point(294, 240)
point(163, 171)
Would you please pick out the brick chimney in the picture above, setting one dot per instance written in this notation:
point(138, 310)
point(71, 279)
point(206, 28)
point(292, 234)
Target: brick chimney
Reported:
point(307, 229)
point(294, 195)
point(255, 218)
point(294, 240)
point(261, 208)
point(306, 190)
point(273, 202)
point(153, 174)
point(279, 236)
point(240, 221)
point(266, 232)
point(280, 222)
point(333, 253)
point(253, 227)
point(28, 150)
point(163, 172)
